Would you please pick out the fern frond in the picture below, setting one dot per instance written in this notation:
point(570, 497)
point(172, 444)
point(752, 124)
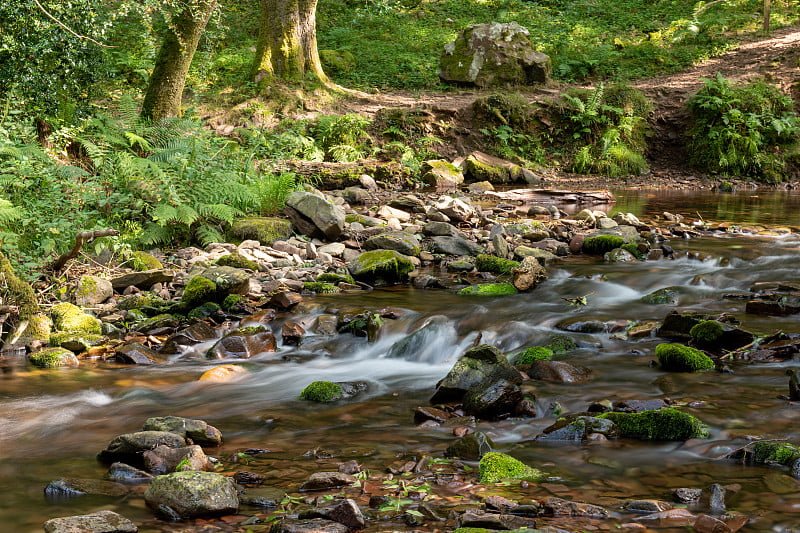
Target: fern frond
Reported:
point(207, 234)
point(69, 172)
point(154, 234)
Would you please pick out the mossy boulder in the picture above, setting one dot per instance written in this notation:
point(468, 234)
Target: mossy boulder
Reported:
point(205, 310)
point(199, 431)
point(600, 244)
point(707, 332)
point(560, 343)
point(489, 289)
point(265, 230)
point(667, 295)
point(92, 290)
point(333, 277)
point(658, 424)
point(337, 61)
point(237, 260)
point(773, 452)
point(231, 301)
point(619, 255)
point(678, 323)
point(476, 369)
point(75, 342)
point(320, 287)
point(441, 174)
point(399, 241)
point(578, 428)
point(146, 301)
point(322, 392)
point(68, 317)
point(142, 261)
point(192, 494)
point(360, 323)
point(198, 291)
point(535, 353)
point(679, 358)
point(381, 267)
point(494, 264)
point(53, 358)
point(635, 250)
point(486, 168)
point(495, 466)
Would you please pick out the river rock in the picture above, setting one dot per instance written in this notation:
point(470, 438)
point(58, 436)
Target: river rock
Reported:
point(470, 447)
point(454, 246)
point(243, 343)
point(70, 488)
point(345, 512)
point(481, 520)
point(381, 267)
point(142, 280)
point(136, 353)
point(619, 255)
point(478, 367)
point(326, 481)
point(494, 401)
point(559, 372)
point(558, 506)
point(98, 522)
point(198, 431)
point(492, 55)
point(312, 525)
point(484, 167)
point(441, 174)
point(543, 256)
point(122, 473)
point(356, 195)
point(192, 494)
point(228, 280)
point(92, 290)
point(677, 324)
point(409, 203)
point(441, 229)
point(163, 459)
point(196, 333)
point(314, 216)
point(292, 333)
point(53, 358)
point(129, 447)
point(528, 274)
point(455, 208)
point(402, 242)
point(265, 230)
point(578, 428)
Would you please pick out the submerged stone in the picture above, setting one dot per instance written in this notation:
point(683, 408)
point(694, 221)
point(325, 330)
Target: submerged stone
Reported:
point(489, 289)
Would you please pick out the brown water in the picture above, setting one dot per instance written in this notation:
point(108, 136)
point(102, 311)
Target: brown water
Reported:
point(52, 423)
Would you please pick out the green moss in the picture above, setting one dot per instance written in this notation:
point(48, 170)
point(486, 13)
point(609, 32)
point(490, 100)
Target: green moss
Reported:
point(53, 358)
point(337, 61)
point(231, 301)
point(659, 424)
point(559, 343)
point(706, 332)
point(321, 288)
point(265, 230)
point(667, 295)
point(634, 250)
point(68, 317)
point(536, 353)
point(203, 311)
point(679, 358)
point(85, 339)
point(39, 327)
point(495, 466)
point(198, 290)
point(473, 530)
point(774, 452)
point(381, 266)
point(19, 292)
point(600, 244)
point(489, 289)
point(86, 286)
point(141, 261)
point(333, 277)
point(142, 300)
point(494, 264)
point(236, 260)
point(249, 330)
point(354, 217)
point(322, 392)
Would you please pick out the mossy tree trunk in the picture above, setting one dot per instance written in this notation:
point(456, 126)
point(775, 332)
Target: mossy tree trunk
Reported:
point(287, 42)
point(165, 88)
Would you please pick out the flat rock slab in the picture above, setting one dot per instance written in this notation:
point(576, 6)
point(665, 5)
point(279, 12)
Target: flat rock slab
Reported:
point(313, 525)
point(99, 522)
point(142, 280)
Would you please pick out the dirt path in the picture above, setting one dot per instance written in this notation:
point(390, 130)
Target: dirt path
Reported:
point(776, 59)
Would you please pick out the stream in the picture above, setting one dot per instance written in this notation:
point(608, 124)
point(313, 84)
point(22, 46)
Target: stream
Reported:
point(53, 423)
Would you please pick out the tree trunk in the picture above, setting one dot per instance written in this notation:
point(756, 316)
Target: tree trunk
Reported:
point(287, 42)
point(165, 88)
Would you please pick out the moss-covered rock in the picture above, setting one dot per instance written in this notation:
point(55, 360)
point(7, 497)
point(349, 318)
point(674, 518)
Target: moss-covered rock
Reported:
point(164, 320)
point(142, 261)
point(265, 230)
point(658, 424)
point(489, 289)
point(774, 452)
point(322, 392)
point(441, 174)
point(667, 295)
point(679, 358)
point(381, 267)
point(494, 264)
point(53, 358)
point(204, 311)
point(560, 343)
point(68, 317)
point(142, 300)
point(231, 301)
point(333, 277)
point(495, 466)
point(198, 291)
point(320, 288)
point(337, 61)
point(477, 368)
point(75, 342)
point(707, 332)
point(92, 290)
point(634, 250)
point(399, 241)
point(192, 494)
point(535, 353)
point(600, 244)
point(237, 260)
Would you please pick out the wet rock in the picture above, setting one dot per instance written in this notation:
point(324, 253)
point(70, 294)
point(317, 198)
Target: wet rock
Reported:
point(327, 481)
point(619, 255)
point(70, 488)
point(498, 503)
point(142, 280)
point(265, 497)
point(582, 325)
point(479, 366)
point(716, 497)
point(493, 401)
point(679, 358)
point(192, 494)
point(243, 343)
point(98, 522)
point(421, 414)
point(128, 448)
point(677, 324)
point(399, 241)
point(92, 290)
point(285, 299)
point(646, 506)
point(136, 354)
point(559, 372)
point(558, 506)
point(123, 473)
point(345, 512)
point(313, 525)
point(578, 428)
point(493, 521)
point(163, 459)
point(194, 334)
point(441, 229)
point(223, 373)
point(249, 478)
point(360, 323)
point(381, 267)
point(454, 246)
point(470, 447)
point(314, 216)
point(667, 295)
point(53, 358)
point(637, 406)
point(671, 518)
point(685, 495)
point(660, 424)
point(422, 344)
point(292, 333)
point(528, 274)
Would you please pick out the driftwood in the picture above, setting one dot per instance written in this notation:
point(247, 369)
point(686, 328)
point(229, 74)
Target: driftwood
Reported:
point(80, 239)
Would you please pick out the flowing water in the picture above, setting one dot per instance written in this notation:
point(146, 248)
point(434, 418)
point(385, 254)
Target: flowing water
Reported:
point(52, 423)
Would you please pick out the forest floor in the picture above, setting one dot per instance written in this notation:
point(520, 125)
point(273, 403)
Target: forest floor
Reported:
point(775, 59)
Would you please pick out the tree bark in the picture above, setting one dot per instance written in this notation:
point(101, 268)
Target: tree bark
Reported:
point(287, 42)
point(165, 88)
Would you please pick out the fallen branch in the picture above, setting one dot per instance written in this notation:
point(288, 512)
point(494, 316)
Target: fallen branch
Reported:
point(80, 239)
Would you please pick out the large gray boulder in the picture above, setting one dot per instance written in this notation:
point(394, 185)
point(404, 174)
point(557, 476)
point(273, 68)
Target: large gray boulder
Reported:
point(314, 216)
point(496, 54)
point(399, 241)
point(192, 494)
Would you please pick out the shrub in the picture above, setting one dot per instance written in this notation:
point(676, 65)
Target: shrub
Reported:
point(742, 130)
